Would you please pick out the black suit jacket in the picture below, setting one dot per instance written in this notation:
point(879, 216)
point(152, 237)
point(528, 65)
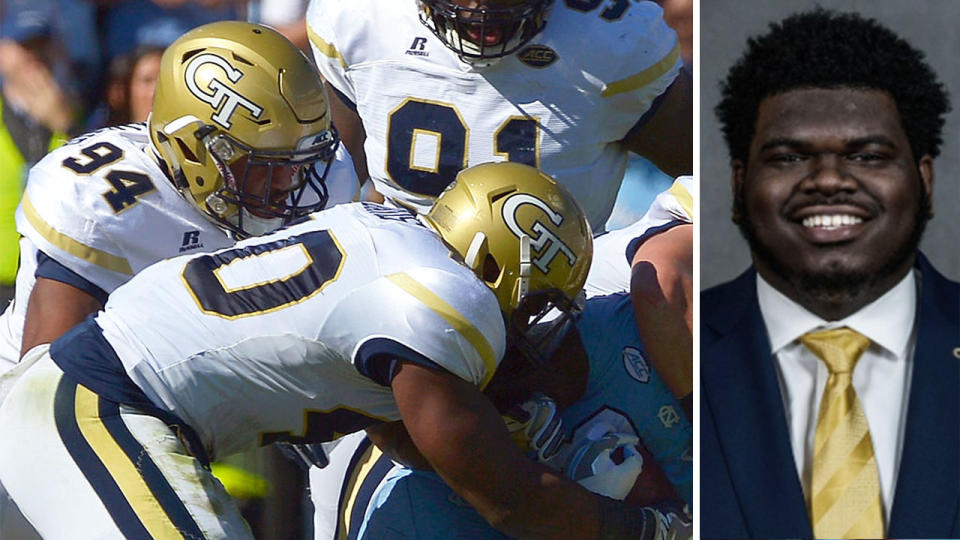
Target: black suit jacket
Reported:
point(748, 481)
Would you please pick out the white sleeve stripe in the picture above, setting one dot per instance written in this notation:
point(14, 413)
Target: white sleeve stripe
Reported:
point(683, 197)
point(71, 246)
point(644, 77)
point(453, 317)
point(326, 48)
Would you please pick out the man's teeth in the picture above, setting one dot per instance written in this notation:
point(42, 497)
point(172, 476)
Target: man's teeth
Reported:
point(831, 221)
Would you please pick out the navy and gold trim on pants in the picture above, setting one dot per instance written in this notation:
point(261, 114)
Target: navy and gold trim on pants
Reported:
point(137, 496)
point(368, 467)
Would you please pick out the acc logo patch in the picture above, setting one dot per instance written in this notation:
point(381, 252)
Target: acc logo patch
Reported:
point(636, 364)
point(538, 56)
point(222, 98)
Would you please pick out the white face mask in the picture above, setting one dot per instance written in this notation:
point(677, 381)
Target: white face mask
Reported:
point(255, 225)
point(472, 48)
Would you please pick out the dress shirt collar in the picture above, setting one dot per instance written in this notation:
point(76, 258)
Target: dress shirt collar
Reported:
point(887, 321)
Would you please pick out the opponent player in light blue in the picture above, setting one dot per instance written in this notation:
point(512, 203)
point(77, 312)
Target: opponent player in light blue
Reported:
point(627, 437)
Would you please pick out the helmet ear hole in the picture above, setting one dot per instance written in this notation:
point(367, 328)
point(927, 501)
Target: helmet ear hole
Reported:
point(491, 270)
point(186, 151)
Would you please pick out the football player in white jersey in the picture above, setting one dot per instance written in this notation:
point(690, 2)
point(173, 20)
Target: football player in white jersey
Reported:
point(238, 143)
point(424, 88)
point(109, 203)
point(614, 250)
point(354, 316)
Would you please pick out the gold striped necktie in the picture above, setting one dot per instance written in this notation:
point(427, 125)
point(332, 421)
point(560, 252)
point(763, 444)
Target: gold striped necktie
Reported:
point(845, 496)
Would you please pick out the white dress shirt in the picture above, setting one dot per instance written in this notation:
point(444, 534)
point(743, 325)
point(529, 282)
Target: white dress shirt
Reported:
point(881, 376)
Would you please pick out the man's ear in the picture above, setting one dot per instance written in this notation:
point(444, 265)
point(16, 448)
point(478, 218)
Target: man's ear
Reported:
point(737, 170)
point(925, 166)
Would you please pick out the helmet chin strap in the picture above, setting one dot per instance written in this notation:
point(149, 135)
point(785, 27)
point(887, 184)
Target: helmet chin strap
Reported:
point(467, 46)
point(254, 225)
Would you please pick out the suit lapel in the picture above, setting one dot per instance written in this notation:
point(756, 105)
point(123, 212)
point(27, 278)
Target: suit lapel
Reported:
point(740, 381)
point(928, 485)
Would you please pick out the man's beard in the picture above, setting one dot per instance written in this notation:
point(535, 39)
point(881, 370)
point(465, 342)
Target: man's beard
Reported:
point(835, 284)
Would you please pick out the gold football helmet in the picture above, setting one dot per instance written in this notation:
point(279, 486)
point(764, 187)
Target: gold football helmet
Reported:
point(483, 35)
point(521, 233)
point(241, 120)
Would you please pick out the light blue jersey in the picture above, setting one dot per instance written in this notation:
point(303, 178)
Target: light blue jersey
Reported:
point(624, 391)
point(378, 499)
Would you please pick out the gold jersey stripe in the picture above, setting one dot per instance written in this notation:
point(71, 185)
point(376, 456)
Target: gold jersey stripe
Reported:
point(71, 246)
point(683, 197)
point(134, 488)
point(453, 317)
point(355, 479)
point(644, 77)
point(324, 47)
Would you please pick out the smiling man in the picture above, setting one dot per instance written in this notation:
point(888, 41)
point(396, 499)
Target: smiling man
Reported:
point(830, 401)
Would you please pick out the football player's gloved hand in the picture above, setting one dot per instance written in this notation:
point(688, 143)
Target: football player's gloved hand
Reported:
point(306, 455)
point(606, 463)
point(536, 426)
point(675, 521)
point(664, 520)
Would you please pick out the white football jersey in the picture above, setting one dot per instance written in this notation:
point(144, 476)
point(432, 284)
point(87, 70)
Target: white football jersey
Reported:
point(103, 208)
point(289, 335)
point(610, 268)
point(562, 103)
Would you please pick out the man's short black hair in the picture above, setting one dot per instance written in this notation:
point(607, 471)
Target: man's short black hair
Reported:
point(826, 49)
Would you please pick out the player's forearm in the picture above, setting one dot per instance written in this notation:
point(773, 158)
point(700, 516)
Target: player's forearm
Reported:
point(517, 496)
point(590, 516)
point(662, 292)
point(541, 504)
point(54, 308)
point(665, 326)
point(464, 438)
point(666, 138)
point(393, 440)
point(538, 508)
point(352, 134)
point(522, 498)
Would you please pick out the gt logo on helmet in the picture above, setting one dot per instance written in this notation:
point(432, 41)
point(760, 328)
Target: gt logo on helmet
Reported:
point(223, 99)
point(544, 237)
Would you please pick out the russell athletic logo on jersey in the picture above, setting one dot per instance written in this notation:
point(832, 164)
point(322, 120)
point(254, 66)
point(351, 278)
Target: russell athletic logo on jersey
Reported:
point(222, 98)
point(542, 239)
point(191, 240)
point(418, 46)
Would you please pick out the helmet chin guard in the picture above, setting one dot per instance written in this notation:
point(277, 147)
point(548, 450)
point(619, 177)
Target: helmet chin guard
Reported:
point(466, 31)
point(306, 189)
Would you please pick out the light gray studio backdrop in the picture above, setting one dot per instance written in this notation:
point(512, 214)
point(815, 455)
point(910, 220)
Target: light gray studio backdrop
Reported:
point(933, 26)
